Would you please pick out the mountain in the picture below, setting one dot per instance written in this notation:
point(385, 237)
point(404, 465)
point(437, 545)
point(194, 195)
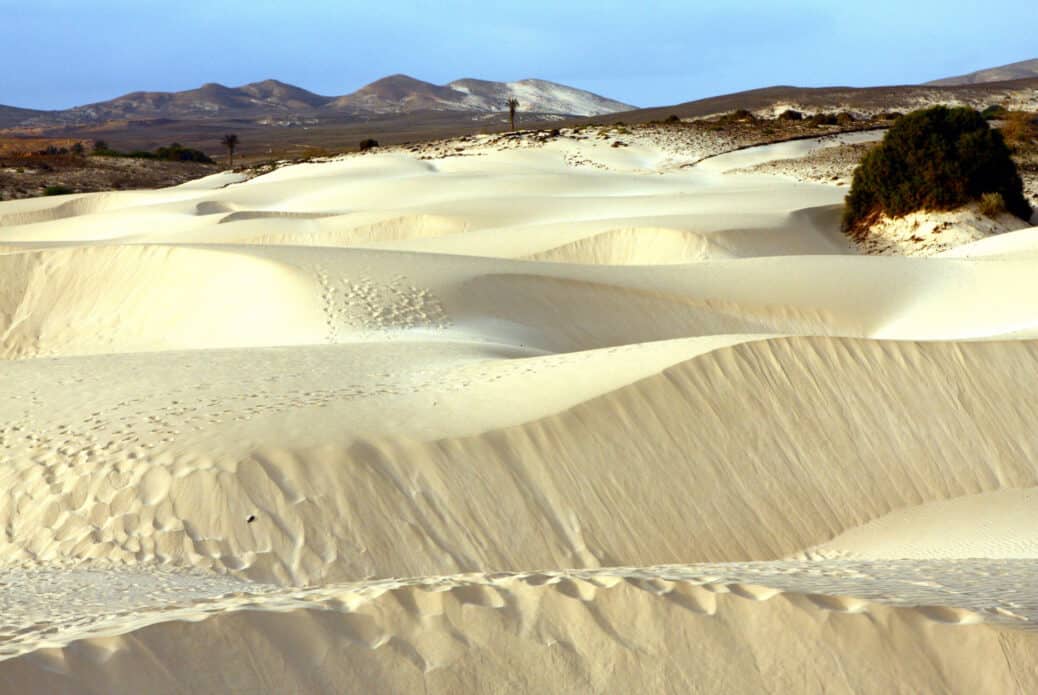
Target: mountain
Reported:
point(1013, 71)
point(403, 94)
point(271, 101)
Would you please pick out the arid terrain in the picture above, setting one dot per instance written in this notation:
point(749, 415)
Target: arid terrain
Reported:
point(30, 167)
point(616, 408)
point(27, 170)
point(277, 120)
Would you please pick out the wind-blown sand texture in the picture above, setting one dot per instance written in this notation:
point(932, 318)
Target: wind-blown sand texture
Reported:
point(565, 418)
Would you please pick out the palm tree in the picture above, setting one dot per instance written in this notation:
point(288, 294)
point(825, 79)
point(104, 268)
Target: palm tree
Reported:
point(513, 104)
point(230, 141)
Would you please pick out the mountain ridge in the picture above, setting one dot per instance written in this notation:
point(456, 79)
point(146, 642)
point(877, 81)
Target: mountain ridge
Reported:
point(272, 98)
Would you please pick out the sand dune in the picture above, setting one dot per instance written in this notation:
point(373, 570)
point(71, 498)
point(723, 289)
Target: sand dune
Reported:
point(510, 422)
point(663, 629)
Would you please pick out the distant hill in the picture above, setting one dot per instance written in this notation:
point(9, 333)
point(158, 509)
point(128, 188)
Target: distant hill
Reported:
point(1013, 71)
point(273, 102)
point(864, 100)
point(255, 100)
point(11, 115)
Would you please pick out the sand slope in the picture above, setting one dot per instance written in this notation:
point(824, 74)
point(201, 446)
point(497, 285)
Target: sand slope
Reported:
point(572, 418)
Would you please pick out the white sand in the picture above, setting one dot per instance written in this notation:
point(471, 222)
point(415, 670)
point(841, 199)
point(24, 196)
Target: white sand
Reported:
point(929, 233)
point(545, 419)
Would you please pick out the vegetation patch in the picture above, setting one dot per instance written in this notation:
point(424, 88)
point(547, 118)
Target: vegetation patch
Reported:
point(936, 159)
point(992, 205)
point(174, 152)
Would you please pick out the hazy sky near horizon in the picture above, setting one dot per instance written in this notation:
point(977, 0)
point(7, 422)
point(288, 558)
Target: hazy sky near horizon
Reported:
point(62, 53)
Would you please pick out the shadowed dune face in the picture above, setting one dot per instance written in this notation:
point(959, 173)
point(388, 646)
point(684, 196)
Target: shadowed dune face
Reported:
point(617, 418)
point(769, 469)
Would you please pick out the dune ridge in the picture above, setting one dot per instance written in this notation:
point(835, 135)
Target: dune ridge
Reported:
point(441, 631)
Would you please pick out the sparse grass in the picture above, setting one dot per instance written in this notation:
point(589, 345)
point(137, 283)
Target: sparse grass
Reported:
point(315, 153)
point(992, 205)
point(1020, 130)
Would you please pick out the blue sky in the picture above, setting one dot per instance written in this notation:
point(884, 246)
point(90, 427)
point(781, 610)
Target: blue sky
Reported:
point(61, 53)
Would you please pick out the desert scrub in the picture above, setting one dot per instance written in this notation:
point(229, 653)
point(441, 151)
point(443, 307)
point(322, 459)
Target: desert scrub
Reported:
point(821, 119)
point(57, 190)
point(937, 159)
point(992, 205)
point(1020, 129)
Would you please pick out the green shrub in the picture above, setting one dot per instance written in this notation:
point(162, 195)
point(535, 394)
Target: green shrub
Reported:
point(820, 119)
point(791, 115)
point(178, 153)
point(993, 112)
point(936, 159)
point(174, 152)
point(57, 190)
point(992, 204)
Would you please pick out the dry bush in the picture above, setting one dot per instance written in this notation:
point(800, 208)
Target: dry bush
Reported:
point(992, 205)
point(1021, 129)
